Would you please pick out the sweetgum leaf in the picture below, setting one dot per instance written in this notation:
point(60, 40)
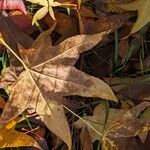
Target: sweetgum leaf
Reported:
point(121, 124)
point(49, 76)
point(47, 7)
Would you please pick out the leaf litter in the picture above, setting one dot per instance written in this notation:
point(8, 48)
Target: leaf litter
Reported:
point(42, 73)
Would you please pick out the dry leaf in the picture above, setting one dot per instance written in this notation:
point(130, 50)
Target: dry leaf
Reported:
point(85, 139)
point(2, 102)
point(49, 75)
point(105, 23)
point(66, 25)
point(47, 7)
point(137, 89)
point(13, 35)
point(12, 5)
point(11, 138)
point(120, 124)
point(24, 22)
point(143, 12)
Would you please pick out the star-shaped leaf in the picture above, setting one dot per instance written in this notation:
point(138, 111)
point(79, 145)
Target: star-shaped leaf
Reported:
point(49, 75)
point(47, 7)
point(120, 124)
point(143, 12)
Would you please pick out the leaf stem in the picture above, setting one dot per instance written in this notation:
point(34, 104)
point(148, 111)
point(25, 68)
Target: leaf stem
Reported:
point(88, 124)
point(9, 48)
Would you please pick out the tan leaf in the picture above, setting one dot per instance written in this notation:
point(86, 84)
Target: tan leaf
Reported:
point(49, 76)
point(11, 138)
point(143, 12)
point(120, 124)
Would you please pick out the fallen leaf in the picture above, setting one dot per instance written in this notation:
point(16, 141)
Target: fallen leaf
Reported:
point(24, 22)
point(123, 48)
point(143, 12)
point(12, 5)
point(87, 12)
point(120, 124)
point(13, 36)
point(105, 23)
point(85, 139)
point(66, 25)
point(2, 102)
point(135, 89)
point(49, 75)
point(10, 138)
point(47, 8)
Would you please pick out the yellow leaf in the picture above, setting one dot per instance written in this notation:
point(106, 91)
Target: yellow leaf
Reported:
point(11, 138)
point(143, 8)
point(39, 14)
point(51, 13)
point(1, 39)
point(39, 2)
point(48, 7)
point(79, 3)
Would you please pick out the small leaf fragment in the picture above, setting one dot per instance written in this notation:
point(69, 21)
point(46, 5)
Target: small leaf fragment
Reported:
point(10, 138)
point(143, 12)
point(13, 5)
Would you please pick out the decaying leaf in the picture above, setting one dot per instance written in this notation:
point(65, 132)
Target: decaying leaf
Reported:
point(66, 25)
point(143, 12)
point(11, 138)
point(14, 36)
point(12, 5)
point(85, 139)
point(24, 22)
point(49, 75)
point(105, 23)
point(120, 124)
point(137, 88)
point(2, 102)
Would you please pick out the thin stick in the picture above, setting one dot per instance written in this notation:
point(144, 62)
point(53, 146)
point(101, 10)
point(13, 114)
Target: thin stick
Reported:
point(88, 124)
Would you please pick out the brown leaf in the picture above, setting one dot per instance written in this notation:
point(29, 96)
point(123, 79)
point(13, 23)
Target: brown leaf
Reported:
point(137, 89)
point(120, 124)
point(86, 141)
point(2, 102)
point(123, 48)
point(24, 22)
point(49, 76)
point(112, 23)
point(66, 25)
point(13, 35)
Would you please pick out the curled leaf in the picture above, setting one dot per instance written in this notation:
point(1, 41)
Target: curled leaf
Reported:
point(13, 5)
